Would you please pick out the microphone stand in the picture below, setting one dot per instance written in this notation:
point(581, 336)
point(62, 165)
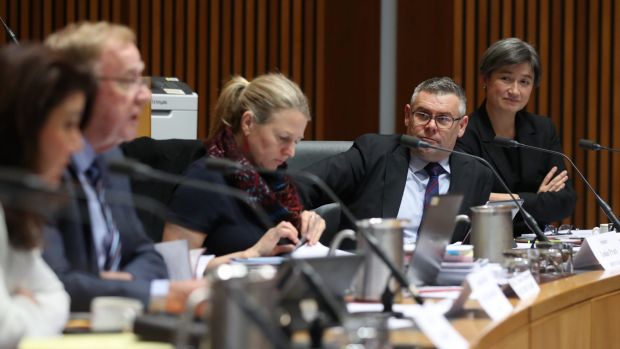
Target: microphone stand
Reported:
point(225, 164)
point(510, 143)
point(9, 31)
point(141, 171)
point(414, 142)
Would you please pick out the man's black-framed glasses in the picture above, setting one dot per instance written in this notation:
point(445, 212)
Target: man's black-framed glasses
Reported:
point(442, 120)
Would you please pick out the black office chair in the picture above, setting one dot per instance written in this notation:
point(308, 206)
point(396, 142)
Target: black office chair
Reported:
point(308, 153)
point(170, 155)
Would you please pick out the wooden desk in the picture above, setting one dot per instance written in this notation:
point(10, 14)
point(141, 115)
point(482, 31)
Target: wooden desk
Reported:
point(92, 341)
point(581, 311)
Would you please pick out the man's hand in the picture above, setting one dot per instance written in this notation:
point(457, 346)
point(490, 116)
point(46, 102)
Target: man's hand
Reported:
point(553, 182)
point(116, 275)
point(178, 293)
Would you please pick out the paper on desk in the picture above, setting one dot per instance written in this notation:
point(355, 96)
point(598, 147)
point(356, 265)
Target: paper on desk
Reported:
point(314, 251)
point(199, 261)
point(176, 256)
point(442, 292)
point(305, 251)
point(393, 323)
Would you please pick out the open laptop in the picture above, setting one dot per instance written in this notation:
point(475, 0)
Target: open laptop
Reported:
point(434, 235)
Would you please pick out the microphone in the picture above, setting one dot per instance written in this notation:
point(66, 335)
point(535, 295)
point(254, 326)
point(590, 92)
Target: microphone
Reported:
point(226, 165)
point(590, 145)
point(9, 31)
point(584, 143)
point(22, 190)
point(141, 171)
point(415, 142)
point(510, 143)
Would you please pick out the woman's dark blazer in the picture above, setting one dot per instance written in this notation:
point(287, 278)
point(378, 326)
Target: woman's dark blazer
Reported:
point(532, 130)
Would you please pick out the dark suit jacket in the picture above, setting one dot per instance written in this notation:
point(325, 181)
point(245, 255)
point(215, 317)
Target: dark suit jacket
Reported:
point(533, 130)
point(70, 252)
point(169, 155)
point(370, 179)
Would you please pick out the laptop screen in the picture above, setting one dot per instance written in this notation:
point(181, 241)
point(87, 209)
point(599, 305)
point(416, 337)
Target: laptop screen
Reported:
point(434, 235)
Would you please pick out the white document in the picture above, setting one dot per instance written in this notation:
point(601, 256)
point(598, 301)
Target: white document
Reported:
point(524, 285)
point(602, 249)
point(176, 256)
point(314, 251)
point(199, 262)
point(491, 298)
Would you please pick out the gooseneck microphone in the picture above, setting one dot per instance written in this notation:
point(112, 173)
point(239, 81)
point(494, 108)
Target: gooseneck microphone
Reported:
point(415, 142)
point(139, 170)
point(9, 31)
point(591, 145)
point(225, 165)
point(511, 143)
point(25, 191)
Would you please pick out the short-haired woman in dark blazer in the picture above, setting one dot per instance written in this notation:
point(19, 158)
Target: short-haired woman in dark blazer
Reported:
point(510, 69)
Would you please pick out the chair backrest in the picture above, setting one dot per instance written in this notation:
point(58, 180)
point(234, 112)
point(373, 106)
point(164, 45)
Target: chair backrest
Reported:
point(309, 152)
point(169, 155)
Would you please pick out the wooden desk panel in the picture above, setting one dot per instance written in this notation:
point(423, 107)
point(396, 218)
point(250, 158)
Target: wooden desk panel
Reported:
point(606, 331)
point(580, 311)
point(565, 329)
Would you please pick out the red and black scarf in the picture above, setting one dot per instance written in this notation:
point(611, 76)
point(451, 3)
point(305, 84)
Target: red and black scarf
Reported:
point(275, 193)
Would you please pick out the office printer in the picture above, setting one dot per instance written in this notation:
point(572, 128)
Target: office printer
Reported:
point(174, 109)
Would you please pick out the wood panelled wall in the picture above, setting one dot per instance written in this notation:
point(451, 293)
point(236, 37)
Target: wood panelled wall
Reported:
point(579, 46)
point(331, 48)
point(205, 42)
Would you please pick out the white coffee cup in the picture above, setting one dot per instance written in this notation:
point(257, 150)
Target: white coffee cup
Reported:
point(108, 314)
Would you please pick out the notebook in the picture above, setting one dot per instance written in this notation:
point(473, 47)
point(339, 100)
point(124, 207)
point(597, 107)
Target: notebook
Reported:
point(434, 235)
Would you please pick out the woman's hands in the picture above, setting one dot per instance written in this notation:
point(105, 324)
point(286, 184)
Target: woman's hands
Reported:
point(312, 226)
point(553, 182)
point(268, 244)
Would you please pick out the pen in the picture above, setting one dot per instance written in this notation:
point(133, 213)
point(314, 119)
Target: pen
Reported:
point(301, 242)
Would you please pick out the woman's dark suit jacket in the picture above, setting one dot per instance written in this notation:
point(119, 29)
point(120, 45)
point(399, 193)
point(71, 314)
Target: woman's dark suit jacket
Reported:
point(532, 130)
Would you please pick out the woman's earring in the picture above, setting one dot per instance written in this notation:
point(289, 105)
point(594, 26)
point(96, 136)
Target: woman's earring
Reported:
point(484, 86)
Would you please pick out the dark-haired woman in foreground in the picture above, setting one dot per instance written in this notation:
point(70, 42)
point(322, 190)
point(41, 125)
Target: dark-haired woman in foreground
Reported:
point(43, 103)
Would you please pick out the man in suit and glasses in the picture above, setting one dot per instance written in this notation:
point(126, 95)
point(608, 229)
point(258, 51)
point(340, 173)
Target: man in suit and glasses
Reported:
point(378, 177)
point(100, 248)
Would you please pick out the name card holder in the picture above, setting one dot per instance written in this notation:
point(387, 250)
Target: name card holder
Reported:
point(437, 328)
point(524, 285)
point(602, 249)
point(491, 298)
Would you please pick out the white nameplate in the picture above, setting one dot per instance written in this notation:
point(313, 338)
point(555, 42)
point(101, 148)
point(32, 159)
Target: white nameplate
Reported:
point(524, 285)
point(485, 290)
point(438, 329)
point(602, 249)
